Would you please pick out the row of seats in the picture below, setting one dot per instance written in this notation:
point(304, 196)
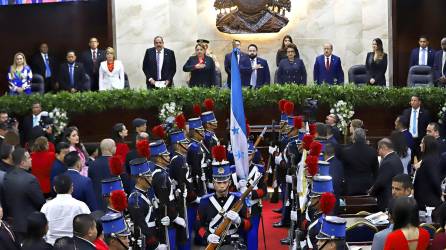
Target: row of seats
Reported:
point(38, 83)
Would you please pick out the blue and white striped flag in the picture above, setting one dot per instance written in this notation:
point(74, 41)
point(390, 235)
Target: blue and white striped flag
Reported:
point(239, 141)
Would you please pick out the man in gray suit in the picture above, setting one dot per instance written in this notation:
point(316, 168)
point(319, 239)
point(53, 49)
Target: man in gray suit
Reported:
point(22, 192)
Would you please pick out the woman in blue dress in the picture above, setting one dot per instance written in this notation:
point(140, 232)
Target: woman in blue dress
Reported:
point(19, 76)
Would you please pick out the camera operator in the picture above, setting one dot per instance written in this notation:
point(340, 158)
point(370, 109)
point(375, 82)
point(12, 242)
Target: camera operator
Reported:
point(10, 122)
point(30, 122)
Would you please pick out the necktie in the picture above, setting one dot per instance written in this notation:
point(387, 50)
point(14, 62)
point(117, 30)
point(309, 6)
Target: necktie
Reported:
point(414, 122)
point(423, 56)
point(95, 62)
point(253, 74)
point(47, 67)
point(71, 67)
point(158, 66)
point(327, 63)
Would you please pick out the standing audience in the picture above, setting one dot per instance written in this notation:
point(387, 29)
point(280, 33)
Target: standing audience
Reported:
point(42, 161)
point(71, 136)
point(85, 232)
point(19, 76)
point(111, 72)
point(281, 53)
point(45, 64)
point(292, 69)
point(92, 59)
point(37, 229)
point(376, 64)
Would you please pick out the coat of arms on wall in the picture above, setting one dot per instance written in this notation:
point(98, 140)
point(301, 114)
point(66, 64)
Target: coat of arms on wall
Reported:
point(251, 16)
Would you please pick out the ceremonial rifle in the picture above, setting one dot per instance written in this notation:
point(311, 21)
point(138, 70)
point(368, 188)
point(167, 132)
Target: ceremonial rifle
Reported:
point(224, 226)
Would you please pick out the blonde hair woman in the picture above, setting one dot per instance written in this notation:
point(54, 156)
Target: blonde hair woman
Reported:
point(111, 72)
point(19, 76)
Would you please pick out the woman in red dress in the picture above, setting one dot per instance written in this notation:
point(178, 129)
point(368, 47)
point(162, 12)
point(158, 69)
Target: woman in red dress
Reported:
point(42, 160)
point(406, 234)
point(119, 134)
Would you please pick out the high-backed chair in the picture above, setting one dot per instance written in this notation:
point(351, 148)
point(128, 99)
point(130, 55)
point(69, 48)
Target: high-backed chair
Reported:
point(360, 232)
point(357, 74)
point(126, 81)
point(420, 76)
point(429, 228)
point(38, 84)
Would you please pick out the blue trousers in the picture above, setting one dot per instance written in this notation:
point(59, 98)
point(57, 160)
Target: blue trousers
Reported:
point(253, 233)
point(172, 237)
point(191, 218)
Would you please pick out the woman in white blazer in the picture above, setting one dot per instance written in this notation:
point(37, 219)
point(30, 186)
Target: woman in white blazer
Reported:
point(111, 72)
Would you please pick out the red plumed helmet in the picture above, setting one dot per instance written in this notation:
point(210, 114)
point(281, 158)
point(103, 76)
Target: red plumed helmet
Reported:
point(312, 128)
point(219, 153)
point(115, 165)
point(209, 104)
point(288, 107)
point(180, 120)
point(315, 148)
point(197, 110)
point(312, 166)
point(143, 149)
point(118, 200)
point(159, 131)
point(282, 105)
point(298, 120)
point(327, 202)
point(306, 141)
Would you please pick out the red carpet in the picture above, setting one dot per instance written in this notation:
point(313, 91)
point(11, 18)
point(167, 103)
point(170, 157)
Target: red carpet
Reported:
point(273, 235)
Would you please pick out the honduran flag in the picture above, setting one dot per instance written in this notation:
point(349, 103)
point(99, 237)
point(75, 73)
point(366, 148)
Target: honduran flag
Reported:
point(239, 141)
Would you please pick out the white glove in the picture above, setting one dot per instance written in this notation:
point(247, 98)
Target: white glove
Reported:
point(180, 221)
point(197, 200)
point(271, 150)
point(165, 221)
point(294, 215)
point(274, 184)
point(289, 179)
point(213, 238)
point(234, 217)
point(270, 170)
point(242, 183)
point(185, 193)
point(278, 159)
point(162, 247)
point(203, 177)
point(204, 165)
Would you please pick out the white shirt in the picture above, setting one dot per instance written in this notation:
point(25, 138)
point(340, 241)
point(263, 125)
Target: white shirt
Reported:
point(420, 56)
point(160, 62)
point(443, 60)
point(92, 53)
point(253, 81)
point(414, 135)
point(36, 120)
point(111, 80)
point(60, 213)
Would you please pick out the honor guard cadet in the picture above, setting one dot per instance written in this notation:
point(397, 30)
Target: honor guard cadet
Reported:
point(210, 123)
point(141, 208)
point(108, 186)
point(254, 202)
point(332, 234)
point(165, 207)
point(322, 202)
point(183, 197)
point(198, 157)
point(116, 232)
point(216, 206)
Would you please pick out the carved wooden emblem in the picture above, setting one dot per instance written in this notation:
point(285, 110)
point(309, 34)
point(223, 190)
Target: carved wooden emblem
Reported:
point(251, 16)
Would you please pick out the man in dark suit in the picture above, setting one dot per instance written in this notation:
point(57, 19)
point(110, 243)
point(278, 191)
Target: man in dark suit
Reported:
point(22, 192)
point(8, 239)
point(331, 120)
point(45, 65)
point(58, 167)
point(336, 169)
point(159, 64)
point(360, 164)
point(244, 65)
point(423, 55)
point(84, 232)
point(328, 67)
point(418, 118)
point(6, 163)
point(31, 121)
point(99, 169)
point(83, 187)
point(72, 74)
point(260, 71)
point(390, 166)
point(92, 59)
point(433, 129)
point(439, 67)
point(401, 125)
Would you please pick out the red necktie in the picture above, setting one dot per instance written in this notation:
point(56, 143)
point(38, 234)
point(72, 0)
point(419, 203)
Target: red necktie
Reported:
point(327, 63)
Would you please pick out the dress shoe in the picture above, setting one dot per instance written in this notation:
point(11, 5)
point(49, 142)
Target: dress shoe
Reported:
point(285, 241)
point(280, 224)
point(277, 210)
